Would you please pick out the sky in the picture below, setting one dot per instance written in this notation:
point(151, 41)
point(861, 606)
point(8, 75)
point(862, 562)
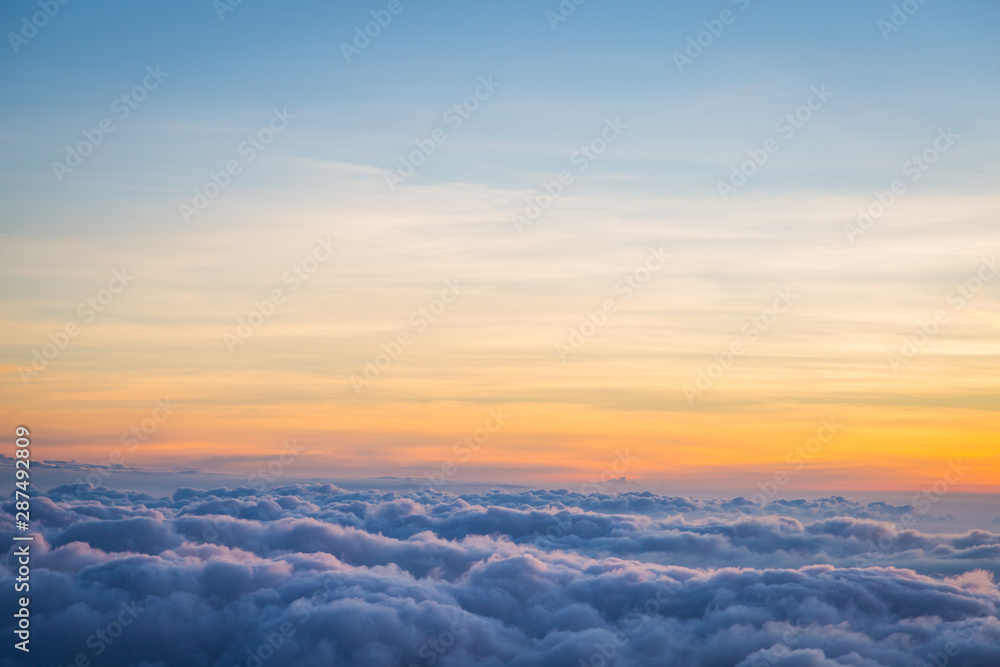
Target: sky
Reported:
point(489, 244)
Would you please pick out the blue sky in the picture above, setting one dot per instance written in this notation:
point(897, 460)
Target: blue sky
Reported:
point(604, 60)
point(656, 186)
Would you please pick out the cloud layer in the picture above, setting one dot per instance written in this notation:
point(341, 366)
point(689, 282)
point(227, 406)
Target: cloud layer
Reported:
point(316, 575)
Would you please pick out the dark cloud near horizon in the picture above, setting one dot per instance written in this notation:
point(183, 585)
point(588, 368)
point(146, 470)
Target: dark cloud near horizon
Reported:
point(316, 575)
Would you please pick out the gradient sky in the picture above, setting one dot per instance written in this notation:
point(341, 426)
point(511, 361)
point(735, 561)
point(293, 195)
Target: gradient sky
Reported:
point(324, 176)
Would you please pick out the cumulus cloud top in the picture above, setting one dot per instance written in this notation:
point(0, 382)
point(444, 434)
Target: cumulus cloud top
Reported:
point(316, 575)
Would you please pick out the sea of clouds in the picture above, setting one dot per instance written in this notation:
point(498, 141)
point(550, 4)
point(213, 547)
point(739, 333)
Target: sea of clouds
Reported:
point(315, 575)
